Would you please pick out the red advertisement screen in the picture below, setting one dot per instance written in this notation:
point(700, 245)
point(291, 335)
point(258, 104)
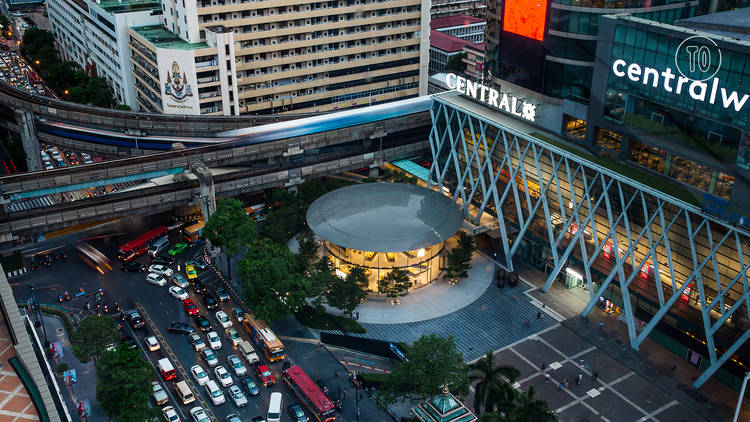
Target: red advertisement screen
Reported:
point(525, 18)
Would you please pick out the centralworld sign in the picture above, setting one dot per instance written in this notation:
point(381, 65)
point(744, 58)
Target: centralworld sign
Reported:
point(503, 101)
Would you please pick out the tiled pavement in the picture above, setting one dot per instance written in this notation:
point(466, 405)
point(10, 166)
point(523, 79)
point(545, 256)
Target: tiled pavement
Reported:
point(15, 404)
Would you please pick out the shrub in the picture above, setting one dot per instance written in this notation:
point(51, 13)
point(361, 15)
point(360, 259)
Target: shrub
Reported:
point(309, 317)
point(62, 367)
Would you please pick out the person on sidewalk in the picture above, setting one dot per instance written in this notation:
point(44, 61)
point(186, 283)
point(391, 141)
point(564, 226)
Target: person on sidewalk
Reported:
point(579, 378)
point(559, 386)
point(595, 375)
point(539, 315)
point(601, 324)
point(673, 368)
point(546, 377)
point(566, 383)
point(544, 366)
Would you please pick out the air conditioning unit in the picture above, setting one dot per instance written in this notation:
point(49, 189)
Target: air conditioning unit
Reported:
point(357, 43)
point(342, 32)
point(253, 13)
point(308, 36)
point(309, 91)
point(356, 30)
point(273, 42)
point(257, 71)
point(273, 26)
point(292, 66)
point(307, 21)
point(272, 11)
point(357, 57)
point(342, 59)
point(309, 64)
point(292, 53)
point(325, 48)
point(325, 19)
point(234, 16)
point(325, 61)
point(294, 94)
point(275, 55)
point(307, 9)
point(342, 45)
point(373, 41)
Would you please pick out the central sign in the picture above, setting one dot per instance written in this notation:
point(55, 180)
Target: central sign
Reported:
point(503, 101)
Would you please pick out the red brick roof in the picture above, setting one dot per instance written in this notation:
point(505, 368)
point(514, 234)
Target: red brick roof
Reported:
point(445, 42)
point(449, 21)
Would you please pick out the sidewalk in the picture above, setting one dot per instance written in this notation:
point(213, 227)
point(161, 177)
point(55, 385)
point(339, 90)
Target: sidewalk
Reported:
point(651, 361)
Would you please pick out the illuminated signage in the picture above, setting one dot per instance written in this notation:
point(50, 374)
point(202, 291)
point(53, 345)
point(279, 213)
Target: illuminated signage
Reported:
point(719, 207)
point(502, 101)
point(525, 18)
point(698, 90)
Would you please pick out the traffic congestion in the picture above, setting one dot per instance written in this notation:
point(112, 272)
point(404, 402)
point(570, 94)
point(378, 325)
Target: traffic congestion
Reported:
point(212, 359)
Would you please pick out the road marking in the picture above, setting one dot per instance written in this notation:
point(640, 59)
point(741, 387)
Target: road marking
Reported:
point(176, 362)
point(657, 411)
point(557, 317)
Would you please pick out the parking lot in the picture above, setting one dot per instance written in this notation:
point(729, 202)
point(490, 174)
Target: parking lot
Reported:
point(159, 310)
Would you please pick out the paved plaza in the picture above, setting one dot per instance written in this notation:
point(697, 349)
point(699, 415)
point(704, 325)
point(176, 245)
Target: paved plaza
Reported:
point(15, 403)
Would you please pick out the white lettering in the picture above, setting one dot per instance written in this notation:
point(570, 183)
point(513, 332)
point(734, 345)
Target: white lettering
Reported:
point(513, 108)
point(618, 63)
point(714, 87)
point(471, 88)
point(504, 103)
point(694, 94)
point(668, 76)
point(448, 78)
point(654, 73)
point(461, 84)
point(681, 80)
point(482, 90)
point(493, 97)
point(733, 99)
point(634, 71)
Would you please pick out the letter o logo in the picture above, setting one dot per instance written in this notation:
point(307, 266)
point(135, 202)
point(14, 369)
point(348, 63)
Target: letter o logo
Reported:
point(698, 58)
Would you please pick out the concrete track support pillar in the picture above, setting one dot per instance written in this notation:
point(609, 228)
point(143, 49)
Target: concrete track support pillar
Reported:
point(29, 140)
point(207, 198)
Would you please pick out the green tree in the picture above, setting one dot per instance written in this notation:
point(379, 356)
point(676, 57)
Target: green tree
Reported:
point(432, 362)
point(123, 385)
point(529, 408)
point(229, 228)
point(358, 275)
point(322, 278)
point(346, 293)
point(307, 251)
point(396, 283)
point(273, 287)
point(92, 337)
point(123, 107)
point(4, 22)
point(494, 384)
point(455, 63)
point(459, 258)
point(286, 219)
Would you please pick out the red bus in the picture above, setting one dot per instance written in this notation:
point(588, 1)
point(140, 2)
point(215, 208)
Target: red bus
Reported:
point(309, 394)
point(140, 244)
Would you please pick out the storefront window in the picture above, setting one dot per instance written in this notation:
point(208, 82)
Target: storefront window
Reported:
point(649, 157)
point(609, 140)
point(575, 128)
point(690, 172)
point(724, 184)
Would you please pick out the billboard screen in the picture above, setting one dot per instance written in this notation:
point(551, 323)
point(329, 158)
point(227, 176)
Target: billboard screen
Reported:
point(525, 18)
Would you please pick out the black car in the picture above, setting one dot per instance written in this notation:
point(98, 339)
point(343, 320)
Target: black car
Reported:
point(250, 386)
point(196, 263)
point(222, 293)
point(135, 320)
point(129, 340)
point(59, 255)
point(199, 287)
point(210, 302)
point(133, 266)
point(203, 323)
point(162, 260)
point(180, 328)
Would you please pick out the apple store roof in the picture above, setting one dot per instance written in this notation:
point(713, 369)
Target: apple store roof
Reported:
point(384, 217)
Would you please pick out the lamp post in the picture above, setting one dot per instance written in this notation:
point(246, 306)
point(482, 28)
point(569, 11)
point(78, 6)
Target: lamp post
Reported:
point(38, 314)
point(742, 395)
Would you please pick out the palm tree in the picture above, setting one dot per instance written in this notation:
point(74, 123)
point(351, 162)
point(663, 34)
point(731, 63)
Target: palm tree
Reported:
point(494, 388)
point(529, 408)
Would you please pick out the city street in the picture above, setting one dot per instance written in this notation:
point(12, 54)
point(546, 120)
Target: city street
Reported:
point(159, 309)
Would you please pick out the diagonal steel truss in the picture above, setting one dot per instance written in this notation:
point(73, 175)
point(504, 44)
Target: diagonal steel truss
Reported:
point(623, 234)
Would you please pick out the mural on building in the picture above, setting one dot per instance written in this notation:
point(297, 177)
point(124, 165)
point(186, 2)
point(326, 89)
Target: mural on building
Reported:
point(177, 86)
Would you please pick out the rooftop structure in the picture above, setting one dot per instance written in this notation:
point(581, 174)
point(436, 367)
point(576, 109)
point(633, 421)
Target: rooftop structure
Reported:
point(443, 408)
point(451, 21)
point(161, 38)
point(733, 23)
point(125, 6)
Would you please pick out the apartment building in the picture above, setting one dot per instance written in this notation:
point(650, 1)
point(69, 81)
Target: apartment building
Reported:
point(444, 8)
point(93, 34)
point(230, 57)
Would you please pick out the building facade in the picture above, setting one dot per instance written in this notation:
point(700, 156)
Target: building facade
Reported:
point(93, 34)
point(443, 8)
point(456, 35)
point(269, 57)
point(466, 27)
point(652, 107)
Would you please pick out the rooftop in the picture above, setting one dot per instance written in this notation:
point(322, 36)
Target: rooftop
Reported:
point(161, 38)
point(116, 6)
point(445, 42)
point(384, 217)
point(449, 21)
point(731, 24)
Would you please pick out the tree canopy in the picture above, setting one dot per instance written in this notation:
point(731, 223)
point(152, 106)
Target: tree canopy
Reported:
point(396, 283)
point(92, 337)
point(459, 258)
point(433, 361)
point(123, 385)
point(348, 292)
point(273, 286)
point(229, 227)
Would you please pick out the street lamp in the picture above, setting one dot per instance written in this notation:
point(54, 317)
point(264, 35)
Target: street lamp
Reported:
point(37, 314)
point(742, 394)
point(36, 62)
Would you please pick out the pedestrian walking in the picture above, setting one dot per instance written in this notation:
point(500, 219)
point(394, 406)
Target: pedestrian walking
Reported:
point(538, 315)
point(559, 386)
point(544, 366)
point(546, 378)
point(566, 383)
point(601, 324)
point(595, 375)
point(673, 368)
point(579, 378)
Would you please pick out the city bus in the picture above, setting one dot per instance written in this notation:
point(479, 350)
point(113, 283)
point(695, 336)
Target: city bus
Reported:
point(263, 337)
point(93, 258)
point(309, 394)
point(140, 244)
point(194, 232)
point(256, 212)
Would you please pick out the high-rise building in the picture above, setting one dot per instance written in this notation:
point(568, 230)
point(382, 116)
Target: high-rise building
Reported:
point(445, 8)
point(94, 35)
point(557, 39)
point(225, 57)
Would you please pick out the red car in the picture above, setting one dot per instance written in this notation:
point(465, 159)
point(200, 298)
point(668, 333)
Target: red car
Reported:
point(190, 307)
point(264, 375)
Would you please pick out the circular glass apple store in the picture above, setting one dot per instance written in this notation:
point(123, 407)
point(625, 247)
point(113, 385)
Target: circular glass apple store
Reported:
point(382, 226)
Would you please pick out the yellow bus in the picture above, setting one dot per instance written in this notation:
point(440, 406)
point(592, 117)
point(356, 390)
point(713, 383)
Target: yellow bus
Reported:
point(194, 232)
point(264, 338)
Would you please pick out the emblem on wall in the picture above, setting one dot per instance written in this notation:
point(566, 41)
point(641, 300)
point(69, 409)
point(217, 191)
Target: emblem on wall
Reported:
point(177, 86)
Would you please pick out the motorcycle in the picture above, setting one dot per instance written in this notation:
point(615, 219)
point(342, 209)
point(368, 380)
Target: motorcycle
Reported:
point(59, 298)
point(67, 296)
point(117, 307)
point(88, 306)
point(106, 308)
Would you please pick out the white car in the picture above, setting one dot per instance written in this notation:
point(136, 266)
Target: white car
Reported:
point(160, 396)
point(170, 414)
point(161, 270)
point(86, 158)
point(238, 397)
point(210, 357)
point(48, 165)
point(156, 279)
point(214, 342)
point(197, 342)
point(213, 390)
point(178, 292)
point(201, 377)
point(233, 336)
point(236, 364)
point(199, 415)
point(223, 319)
point(152, 343)
point(223, 376)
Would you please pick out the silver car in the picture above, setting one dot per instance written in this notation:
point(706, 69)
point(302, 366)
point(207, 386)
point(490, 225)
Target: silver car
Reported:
point(236, 364)
point(238, 397)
